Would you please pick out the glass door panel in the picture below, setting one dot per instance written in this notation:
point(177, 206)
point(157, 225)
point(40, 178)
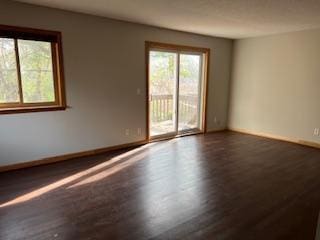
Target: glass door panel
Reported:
point(190, 93)
point(163, 69)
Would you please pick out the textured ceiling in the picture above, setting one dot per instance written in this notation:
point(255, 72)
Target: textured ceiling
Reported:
point(224, 18)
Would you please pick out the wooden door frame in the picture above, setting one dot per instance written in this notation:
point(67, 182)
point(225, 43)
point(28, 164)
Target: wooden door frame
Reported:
point(178, 48)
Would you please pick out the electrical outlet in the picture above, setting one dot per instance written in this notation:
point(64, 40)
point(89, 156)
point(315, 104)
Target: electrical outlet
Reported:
point(316, 132)
point(139, 131)
point(127, 132)
point(138, 91)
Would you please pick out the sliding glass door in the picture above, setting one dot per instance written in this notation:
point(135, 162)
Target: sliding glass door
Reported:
point(176, 92)
point(190, 92)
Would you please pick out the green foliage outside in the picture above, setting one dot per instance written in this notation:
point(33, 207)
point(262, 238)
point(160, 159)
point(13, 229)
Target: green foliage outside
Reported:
point(8, 73)
point(163, 74)
point(36, 71)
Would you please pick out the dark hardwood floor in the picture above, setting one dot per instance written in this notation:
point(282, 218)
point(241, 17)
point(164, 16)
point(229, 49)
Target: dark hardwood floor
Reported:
point(216, 186)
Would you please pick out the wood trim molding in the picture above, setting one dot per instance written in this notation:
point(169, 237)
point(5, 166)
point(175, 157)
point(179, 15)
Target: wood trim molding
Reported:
point(276, 137)
point(70, 156)
point(206, 90)
point(147, 58)
point(309, 144)
point(175, 47)
point(216, 131)
point(93, 152)
point(28, 33)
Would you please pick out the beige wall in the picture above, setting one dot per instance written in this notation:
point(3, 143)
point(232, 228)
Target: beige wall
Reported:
point(276, 85)
point(104, 66)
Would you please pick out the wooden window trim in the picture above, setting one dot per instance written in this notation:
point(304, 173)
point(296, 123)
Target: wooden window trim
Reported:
point(55, 39)
point(149, 45)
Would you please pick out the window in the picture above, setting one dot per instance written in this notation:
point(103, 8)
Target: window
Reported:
point(31, 70)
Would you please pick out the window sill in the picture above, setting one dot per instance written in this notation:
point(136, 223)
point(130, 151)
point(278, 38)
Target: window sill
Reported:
point(14, 110)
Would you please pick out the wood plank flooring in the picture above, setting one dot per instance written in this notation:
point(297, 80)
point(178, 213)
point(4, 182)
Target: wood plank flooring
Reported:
point(216, 186)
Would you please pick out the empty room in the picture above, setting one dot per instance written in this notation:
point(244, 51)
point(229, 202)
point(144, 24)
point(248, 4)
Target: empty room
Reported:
point(172, 119)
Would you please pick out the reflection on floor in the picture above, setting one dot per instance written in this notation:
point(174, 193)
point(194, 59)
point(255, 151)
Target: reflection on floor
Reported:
point(216, 186)
point(168, 126)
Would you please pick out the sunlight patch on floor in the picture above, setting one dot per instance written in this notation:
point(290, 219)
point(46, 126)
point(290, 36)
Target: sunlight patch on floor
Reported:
point(70, 179)
point(98, 172)
point(114, 169)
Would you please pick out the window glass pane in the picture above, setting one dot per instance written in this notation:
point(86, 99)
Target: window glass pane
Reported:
point(36, 71)
point(9, 87)
point(189, 91)
point(163, 80)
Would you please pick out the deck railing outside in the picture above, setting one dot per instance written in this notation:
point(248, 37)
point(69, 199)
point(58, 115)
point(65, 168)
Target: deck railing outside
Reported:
point(162, 106)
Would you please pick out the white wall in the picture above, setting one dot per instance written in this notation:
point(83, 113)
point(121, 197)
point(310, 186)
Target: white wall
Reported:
point(104, 65)
point(276, 85)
